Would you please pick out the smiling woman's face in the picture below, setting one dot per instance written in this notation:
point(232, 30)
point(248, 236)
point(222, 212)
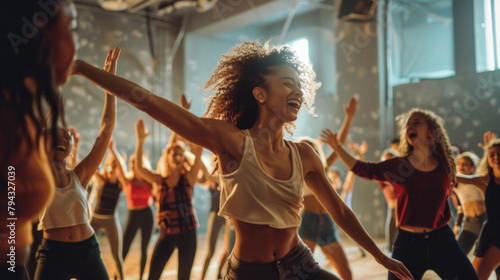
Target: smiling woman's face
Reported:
point(64, 144)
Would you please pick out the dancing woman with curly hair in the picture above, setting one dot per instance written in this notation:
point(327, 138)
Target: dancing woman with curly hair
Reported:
point(258, 93)
point(423, 177)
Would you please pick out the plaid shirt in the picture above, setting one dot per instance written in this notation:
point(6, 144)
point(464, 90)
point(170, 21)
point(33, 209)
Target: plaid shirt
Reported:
point(176, 212)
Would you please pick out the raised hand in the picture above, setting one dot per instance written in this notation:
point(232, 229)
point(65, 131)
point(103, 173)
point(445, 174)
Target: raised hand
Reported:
point(353, 147)
point(185, 103)
point(363, 148)
point(140, 130)
point(487, 137)
point(111, 59)
point(351, 108)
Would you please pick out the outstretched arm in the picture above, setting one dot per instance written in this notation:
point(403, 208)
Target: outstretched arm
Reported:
point(85, 170)
point(317, 181)
point(141, 134)
point(480, 182)
point(350, 112)
point(208, 133)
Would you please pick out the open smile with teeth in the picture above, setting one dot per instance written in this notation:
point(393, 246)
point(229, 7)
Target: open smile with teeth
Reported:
point(294, 103)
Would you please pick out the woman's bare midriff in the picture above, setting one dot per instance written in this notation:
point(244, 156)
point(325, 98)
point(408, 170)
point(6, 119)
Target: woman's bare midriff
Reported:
point(474, 208)
point(261, 243)
point(415, 229)
point(69, 234)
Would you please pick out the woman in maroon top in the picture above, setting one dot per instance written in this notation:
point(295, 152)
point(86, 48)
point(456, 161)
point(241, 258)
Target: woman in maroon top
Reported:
point(422, 178)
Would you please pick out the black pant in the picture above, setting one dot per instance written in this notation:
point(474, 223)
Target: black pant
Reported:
point(64, 260)
point(138, 219)
point(437, 250)
point(299, 263)
point(19, 272)
point(185, 242)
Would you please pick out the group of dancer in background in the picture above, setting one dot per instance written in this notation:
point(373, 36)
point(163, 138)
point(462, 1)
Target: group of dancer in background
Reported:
point(258, 92)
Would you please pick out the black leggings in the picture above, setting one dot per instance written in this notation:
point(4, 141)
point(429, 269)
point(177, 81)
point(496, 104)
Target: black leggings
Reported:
point(215, 223)
point(185, 242)
point(138, 219)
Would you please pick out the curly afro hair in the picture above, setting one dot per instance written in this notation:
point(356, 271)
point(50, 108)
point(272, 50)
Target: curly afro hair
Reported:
point(241, 70)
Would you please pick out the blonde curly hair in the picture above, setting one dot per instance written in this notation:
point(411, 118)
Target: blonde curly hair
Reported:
point(484, 168)
point(440, 145)
point(241, 70)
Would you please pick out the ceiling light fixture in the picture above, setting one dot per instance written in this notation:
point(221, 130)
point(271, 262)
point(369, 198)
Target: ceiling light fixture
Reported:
point(113, 5)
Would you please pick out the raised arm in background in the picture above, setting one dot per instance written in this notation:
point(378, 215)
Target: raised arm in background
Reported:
point(350, 112)
point(87, 167)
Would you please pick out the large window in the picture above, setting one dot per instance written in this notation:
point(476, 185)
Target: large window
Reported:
point(301, 46)
point(420, 35)
point(487, 26)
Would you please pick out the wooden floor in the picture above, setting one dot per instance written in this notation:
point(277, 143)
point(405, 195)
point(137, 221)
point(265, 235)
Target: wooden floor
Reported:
point(363, 268)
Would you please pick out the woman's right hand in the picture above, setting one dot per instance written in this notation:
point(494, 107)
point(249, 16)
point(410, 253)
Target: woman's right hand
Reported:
point(397, 268)
point(140, 130)
point(111, 59)
point(351, 108)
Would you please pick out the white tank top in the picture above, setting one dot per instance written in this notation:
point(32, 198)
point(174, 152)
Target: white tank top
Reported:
point(68, 208)
point(251, 195)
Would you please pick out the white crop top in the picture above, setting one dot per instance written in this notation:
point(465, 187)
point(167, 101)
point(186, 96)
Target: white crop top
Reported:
point(251, 195)
point(68, 208)
point(468, 193)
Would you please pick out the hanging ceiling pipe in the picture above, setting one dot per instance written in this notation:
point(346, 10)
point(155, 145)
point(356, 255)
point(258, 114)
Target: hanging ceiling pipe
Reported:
point(142, 4)
point(205, 5)
point(200, 5)
point(288, 21)
point(177, 43)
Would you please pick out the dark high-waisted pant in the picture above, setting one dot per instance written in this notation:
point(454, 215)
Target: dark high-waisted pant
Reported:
point(299, 263)
point(185, 242)
point(437, 250)
point(64, 260)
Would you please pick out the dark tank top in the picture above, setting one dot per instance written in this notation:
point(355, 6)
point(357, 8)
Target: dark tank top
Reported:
point(492, 198)
point(107, 198)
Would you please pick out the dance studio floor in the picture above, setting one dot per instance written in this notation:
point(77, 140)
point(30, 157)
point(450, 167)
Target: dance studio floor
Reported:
point(363, 268)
